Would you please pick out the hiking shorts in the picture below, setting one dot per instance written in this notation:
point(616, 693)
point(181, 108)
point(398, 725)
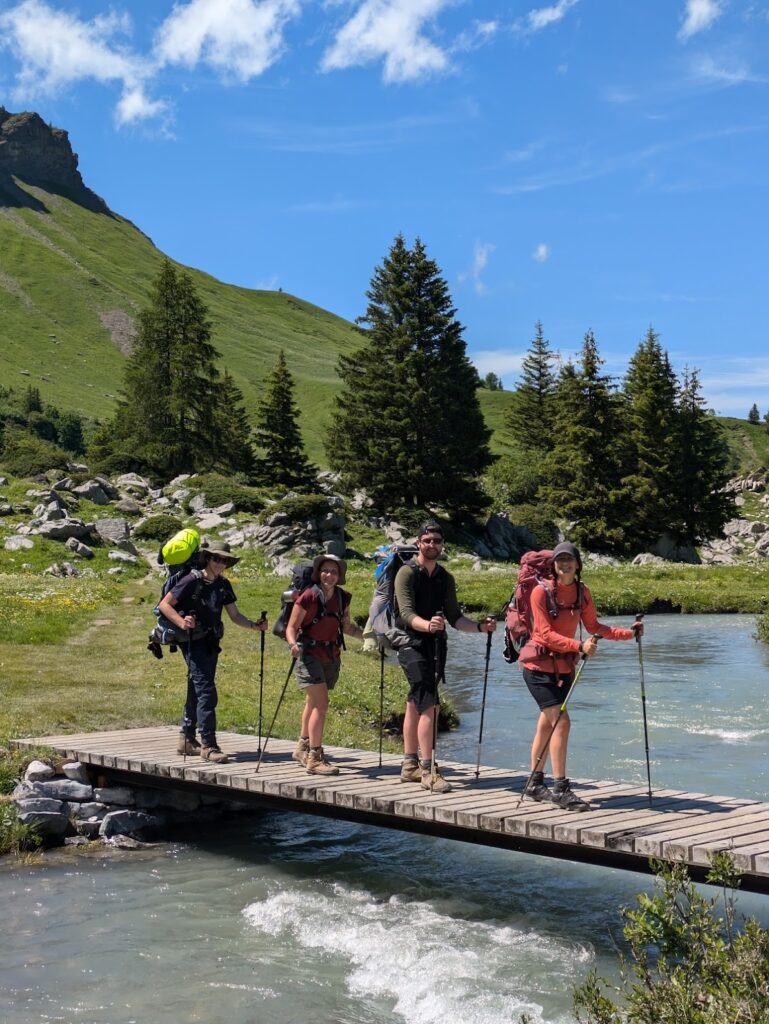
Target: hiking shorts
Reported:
point(419, 668)
point(310, 671)
point(548, 689)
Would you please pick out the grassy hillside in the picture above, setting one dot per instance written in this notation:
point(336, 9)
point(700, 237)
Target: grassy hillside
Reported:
point(72, 281)
point(748, 443)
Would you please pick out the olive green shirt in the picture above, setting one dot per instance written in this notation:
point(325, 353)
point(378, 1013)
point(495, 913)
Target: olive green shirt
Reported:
point(406, 596)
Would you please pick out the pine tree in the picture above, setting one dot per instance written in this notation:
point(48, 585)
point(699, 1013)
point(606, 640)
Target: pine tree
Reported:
point(584, 467)
point(166, 421)
point(409, 427)
point(234, 451)
point(531, 416)
point(283, 462)
point(31, 401)
point(754, 416)
point(651, 427)
point(702, 507)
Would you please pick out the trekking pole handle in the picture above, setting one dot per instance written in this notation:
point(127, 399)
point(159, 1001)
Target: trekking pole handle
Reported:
point(638, 620)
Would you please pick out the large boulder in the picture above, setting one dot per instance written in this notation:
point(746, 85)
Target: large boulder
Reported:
point(128, 823)
point(669, 549)
point(93, 491)
point(112, 531)
point(63, 529)
point(16, 543)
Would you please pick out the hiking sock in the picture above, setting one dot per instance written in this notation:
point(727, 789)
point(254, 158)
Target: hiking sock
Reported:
point(425, 764)
point(537, 778)
point(305, 739)
point(410, 757)
point(560, 784)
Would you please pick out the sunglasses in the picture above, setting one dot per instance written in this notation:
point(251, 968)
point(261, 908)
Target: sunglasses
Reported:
point(221, 559)
point(431, 540)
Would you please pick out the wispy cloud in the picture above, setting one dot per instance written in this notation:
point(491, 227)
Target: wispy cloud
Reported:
point(698, 16)
point(709, 71)
point(481, 253)
point(392, 31)
point(355, 138)
point(498, 361)
point(541, 253)
point(55, 50)
point(268, 284)
point(240, 39)
point(543, 17)
point(527, 152)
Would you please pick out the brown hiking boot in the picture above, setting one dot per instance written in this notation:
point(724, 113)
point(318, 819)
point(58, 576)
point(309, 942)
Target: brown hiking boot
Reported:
point(301, 750)
point(317, 764)
point(410, 770)
point(188, 745)
point(214, 754)
point(434, 782)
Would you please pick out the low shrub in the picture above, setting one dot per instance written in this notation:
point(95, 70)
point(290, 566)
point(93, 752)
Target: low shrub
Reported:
point(158, 527)
point(25, 455)
point(15, 836)
point(303, 506)
point(221, 489)
point(539, 520)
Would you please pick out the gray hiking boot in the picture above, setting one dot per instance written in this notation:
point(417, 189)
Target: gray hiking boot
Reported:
point(537, 789)
point(301, 750)
point(410, 770)
point(187, 745)
point(317, 764)
point(563, 796)
point(214, 754)
point(435, 782)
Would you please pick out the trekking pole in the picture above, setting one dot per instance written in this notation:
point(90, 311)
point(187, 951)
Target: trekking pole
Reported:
point(543, 754)
point(381, 700)
point(277, 709)
point(483, 705)
point(439, 677)
point(638, 619)
point(261, 681)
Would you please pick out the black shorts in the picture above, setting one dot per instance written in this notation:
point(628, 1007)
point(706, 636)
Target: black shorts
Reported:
point(548, 689)
point(422, 667)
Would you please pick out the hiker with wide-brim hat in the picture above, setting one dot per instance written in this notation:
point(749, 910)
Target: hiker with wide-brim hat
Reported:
point(548, 660)
point(320, 616)
point(195, 604)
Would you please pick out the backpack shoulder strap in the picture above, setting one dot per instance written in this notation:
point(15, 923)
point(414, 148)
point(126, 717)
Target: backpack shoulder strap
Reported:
point(552, 606)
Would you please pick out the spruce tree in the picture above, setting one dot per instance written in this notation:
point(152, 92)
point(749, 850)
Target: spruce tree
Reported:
point(531, 417)
point(651, 428)
point(754, 416)
point(283, 462)
point(702, 507)
point(409, 428)
point(584, 467)
point(234, 452)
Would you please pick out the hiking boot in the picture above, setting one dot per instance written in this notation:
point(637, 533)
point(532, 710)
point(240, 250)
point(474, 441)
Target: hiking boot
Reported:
point(301, 750)
point(410, 770)
point(434, 782)
point(188, 745)
point(317, 764)
point(538, 790)
point(214, 754)
point(563, 796)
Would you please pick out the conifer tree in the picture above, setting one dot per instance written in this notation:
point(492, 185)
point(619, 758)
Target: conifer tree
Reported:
point(584, 467)
point(531, 417)
point(409, 427)
point(651, 429)
point(283, 462)
point(234, 451)
point(702, 507)
point(754, 416)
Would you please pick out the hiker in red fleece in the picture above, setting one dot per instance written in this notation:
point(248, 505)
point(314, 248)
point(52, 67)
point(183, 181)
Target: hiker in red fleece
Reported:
point(548, 660)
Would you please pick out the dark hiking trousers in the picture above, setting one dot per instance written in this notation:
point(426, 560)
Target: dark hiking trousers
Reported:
point(200, 707)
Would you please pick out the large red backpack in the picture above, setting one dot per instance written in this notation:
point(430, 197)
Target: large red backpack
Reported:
point(536, 571)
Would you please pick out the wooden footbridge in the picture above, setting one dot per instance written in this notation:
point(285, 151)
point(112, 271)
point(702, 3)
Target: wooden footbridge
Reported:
point(621, 830)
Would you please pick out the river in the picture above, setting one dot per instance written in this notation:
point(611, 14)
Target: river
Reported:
point(287, 918)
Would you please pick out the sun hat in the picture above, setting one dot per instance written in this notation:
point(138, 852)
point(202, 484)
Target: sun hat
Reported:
point(221, 549)
point(318, 561)
point(567, 548)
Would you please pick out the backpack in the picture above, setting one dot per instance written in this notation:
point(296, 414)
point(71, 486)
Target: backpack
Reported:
point(301, 580)
point(381, 611)
point(180, 555)
point(181, 550)
point(535, 571)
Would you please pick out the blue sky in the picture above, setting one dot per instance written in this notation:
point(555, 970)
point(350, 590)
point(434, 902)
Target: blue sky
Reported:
point(588, 163)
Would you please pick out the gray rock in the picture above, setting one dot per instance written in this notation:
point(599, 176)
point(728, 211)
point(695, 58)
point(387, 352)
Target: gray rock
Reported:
point(45, 804)
point(235, 538)
point(647, 558)
point(162, 502)
point(112, 531)
point(122, 795)
point(122, 556)
point(76, 771)
point(6, 509)
point(77, 547)
point(127, 545)
point(66, 484)
point(198, 503)
point(129, 506)
point(757, 528)
point(64, 570)
point(179, 480)
point(18, 543)
point(38, 771)
point(210, 521)
point(180, 494)
point(335, 547)
point(93, 491)
point(88, 828)
point(117, 571)
point(64, 529)
point(47, 823)
point(92, 809)
point(133, 480)
point(762, 547)
point(128, 823)
point(227, 509)
point(65, 789)
point(282, 567)
point(667, 548)
point(76, 840)
point(3, 481)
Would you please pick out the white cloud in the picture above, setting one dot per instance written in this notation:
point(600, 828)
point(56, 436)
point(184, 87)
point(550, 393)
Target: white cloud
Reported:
point(240, 38)
point(541, 253)
point(542, 17)
point(268, 284)
point(481, 253)
point(708, 71)
point(698, 16)
point(393, 31)
point(501, 363)
point(56, 50)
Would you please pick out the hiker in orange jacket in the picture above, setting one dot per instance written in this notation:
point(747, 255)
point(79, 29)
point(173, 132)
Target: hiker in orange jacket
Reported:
point(548, 660)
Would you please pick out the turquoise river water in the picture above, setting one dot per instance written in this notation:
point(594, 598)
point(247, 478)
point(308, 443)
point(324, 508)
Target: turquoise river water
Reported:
point(288, 918)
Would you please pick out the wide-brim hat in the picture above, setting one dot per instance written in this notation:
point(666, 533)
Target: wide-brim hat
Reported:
point(567, 548)
point(320, 559)
point(221, 549)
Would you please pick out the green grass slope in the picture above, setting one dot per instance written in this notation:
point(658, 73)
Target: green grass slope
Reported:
point(72, 280)
point(748, 443)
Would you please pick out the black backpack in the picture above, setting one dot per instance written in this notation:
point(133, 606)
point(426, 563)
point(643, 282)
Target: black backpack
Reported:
point(165, 633)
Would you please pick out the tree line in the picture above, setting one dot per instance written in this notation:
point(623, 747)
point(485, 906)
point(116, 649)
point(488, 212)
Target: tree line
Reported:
point(618, 462)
